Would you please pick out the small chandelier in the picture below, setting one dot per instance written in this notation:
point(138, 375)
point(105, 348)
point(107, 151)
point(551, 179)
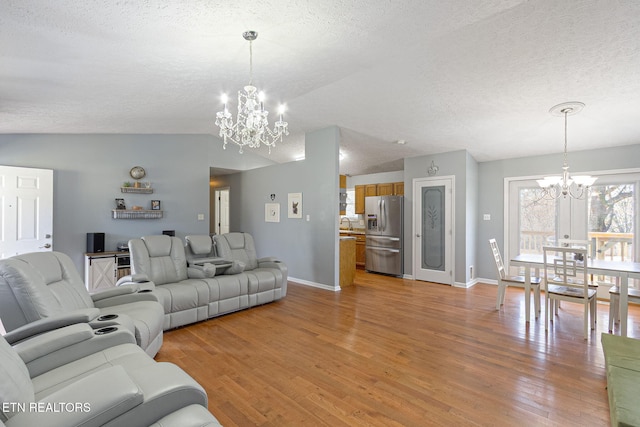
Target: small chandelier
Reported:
point(252, 127)
point(573, 186)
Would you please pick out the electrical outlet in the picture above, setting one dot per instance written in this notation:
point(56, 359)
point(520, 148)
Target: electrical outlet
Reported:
point(487, 217)
point(200, 217)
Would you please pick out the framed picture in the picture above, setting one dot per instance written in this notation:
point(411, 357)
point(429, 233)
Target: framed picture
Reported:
point(155, 205)
point(294, 205)
point(120, 204)
point(272, 212)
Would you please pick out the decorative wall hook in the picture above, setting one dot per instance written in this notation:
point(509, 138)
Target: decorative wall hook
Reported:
point(433, 169)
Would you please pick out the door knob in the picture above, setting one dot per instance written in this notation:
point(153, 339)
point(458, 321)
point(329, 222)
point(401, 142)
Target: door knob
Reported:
point(417, 235)
point(46, 246)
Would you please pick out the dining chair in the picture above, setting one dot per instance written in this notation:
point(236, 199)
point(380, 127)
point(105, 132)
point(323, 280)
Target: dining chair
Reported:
point(505, 280)
point(568, 281)
point(633, 295)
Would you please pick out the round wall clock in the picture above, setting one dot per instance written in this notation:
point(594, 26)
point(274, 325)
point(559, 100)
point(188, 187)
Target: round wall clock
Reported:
point(137, 172)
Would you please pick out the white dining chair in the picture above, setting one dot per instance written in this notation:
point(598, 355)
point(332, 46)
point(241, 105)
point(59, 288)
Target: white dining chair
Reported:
point(505, 280)
point(633, 295)
point(567, 280)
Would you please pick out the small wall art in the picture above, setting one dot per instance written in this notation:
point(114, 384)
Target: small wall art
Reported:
point(155, 205)
point(120, 204)
point(272, 212)
point(294, 205)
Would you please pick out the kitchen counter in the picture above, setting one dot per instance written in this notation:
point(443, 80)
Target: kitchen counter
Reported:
point(361, 253)
point(347, 261)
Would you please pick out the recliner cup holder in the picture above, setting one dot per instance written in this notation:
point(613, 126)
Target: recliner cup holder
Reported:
point(107, 330)
point(107, 317)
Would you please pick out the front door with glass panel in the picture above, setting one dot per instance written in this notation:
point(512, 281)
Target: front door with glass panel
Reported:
point(433, 230)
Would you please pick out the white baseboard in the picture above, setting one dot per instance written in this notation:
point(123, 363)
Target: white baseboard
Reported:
point(314, 284)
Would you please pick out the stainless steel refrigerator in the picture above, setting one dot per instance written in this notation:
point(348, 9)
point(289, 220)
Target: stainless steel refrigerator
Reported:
point(384, 231)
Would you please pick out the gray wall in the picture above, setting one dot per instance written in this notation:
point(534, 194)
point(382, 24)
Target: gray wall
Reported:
point(491, 188)
point(310, 248)
point(464, 168)
point(89, 170)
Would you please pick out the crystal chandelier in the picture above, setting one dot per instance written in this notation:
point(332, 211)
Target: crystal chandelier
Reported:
point(252, 127)
point(565, 185)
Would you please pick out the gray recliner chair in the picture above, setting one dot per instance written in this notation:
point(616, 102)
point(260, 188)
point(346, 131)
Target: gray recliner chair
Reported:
point(89, 378)
point(39, 285)
point(267, 276)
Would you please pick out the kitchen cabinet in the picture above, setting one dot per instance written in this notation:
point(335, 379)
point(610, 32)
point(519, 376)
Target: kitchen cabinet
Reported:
point(360, 246)
point(385, 189)
point(371, 190)
point(347, 261)
point(361, 250)
point(359, 193)
point(398, 188)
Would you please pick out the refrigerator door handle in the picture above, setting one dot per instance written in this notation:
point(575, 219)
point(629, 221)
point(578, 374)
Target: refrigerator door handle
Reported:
point(385, 250)
point(379, 225)
point(393, 239)
point(383, 214)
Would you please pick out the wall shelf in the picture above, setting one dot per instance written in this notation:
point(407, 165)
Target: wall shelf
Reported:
point(139, 190)
point(137, 214)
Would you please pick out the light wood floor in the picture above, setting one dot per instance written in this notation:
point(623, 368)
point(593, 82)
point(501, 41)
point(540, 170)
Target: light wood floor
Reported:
point(393, 352)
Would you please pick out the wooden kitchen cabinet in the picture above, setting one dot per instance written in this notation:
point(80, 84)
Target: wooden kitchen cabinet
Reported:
point(361, 251)
point(385, 189)
point(371, 190)
point(398, 188)
point(359, 193)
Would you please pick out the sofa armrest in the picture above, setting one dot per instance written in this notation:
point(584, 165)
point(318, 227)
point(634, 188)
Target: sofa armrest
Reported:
point(43, 344)
point(95, 400)
point(124, 294)
point(47, 324)
point(51, 350)
point(270, 262)
point(132, 278)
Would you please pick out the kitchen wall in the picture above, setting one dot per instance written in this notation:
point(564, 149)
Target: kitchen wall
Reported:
point(464, 167)
point(310, 248)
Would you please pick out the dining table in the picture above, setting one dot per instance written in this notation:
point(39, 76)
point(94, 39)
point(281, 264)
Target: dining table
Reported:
point(622, 270)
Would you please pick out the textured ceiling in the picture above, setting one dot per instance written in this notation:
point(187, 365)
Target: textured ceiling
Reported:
point(442, 75)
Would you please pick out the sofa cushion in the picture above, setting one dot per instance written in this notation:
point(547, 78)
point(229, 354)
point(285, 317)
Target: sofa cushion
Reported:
point(200, 244)
point(237, 267)
point(237, 246)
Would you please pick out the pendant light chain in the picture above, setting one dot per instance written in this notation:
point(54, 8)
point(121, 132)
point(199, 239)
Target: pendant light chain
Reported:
point(250, 62)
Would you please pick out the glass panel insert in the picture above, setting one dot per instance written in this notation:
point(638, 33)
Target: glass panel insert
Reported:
point(433, 228)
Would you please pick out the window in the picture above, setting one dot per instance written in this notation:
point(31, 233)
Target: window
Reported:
point(607, 218)
point(351, 203)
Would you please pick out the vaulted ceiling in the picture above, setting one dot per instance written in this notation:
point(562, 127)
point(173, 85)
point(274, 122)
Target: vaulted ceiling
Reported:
point(478, 75)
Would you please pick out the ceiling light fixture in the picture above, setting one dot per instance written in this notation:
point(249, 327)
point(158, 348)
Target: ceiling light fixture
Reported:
point(565, 185)
point(252, 127)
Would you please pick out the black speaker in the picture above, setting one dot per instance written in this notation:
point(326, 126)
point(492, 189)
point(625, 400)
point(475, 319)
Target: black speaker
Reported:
point(169, 232)
point(95, 242)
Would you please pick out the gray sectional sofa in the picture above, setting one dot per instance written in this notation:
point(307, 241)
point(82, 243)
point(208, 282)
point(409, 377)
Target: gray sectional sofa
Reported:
point(218, 276)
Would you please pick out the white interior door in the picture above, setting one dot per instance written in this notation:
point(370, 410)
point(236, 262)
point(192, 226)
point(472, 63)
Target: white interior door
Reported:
point(433, 229)
point(26, 210)
point(222, 211)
